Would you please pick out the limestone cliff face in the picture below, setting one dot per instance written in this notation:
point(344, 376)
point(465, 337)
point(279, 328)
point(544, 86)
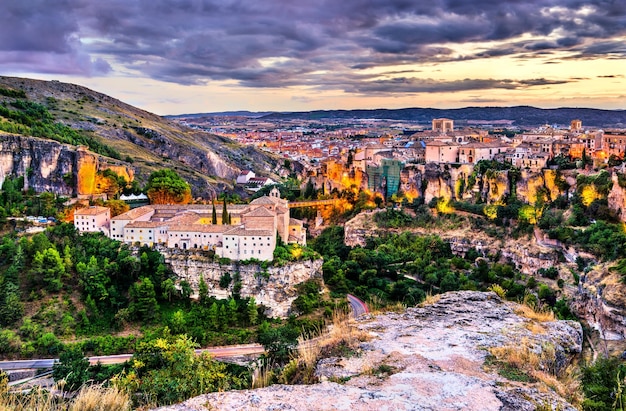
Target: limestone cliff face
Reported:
point(617, 199)
point(274, 288)
point(435, 359)
point(54, 167)
point(599, 300)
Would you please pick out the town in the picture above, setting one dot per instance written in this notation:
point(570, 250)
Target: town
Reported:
point(379, 157)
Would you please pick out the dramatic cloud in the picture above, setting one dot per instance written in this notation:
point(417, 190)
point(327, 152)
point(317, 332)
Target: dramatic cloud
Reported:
point(317, 43)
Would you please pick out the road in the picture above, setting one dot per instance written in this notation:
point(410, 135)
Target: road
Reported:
point(358, 306)
point(216, 352)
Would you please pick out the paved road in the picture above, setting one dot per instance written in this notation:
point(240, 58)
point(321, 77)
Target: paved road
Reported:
point(217, 352)
point(358, 306)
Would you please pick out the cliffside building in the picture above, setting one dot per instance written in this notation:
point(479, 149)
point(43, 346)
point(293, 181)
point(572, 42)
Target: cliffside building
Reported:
point(251, 234)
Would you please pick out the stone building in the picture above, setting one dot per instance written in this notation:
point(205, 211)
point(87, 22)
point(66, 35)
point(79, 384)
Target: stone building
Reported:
point(251, 233)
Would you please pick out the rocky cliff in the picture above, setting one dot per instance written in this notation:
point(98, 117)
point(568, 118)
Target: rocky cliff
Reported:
point(444, 356)
point(600, 301)
point(273, 287)
point(461, 182)
point(527, 255)
point(54, 167)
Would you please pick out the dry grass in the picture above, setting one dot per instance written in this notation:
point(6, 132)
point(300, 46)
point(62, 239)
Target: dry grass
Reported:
point(538, 314)
point(539, 366)
point(340, 338)
point(99, 398)
point(430, 299)
point(94, 398)
point(262, 376)
point(535, 327)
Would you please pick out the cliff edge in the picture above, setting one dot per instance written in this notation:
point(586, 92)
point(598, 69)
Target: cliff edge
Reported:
point(452, 354)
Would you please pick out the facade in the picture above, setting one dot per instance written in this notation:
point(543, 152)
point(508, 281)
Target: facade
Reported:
point(442, 125)
point(576, 125)
point(251, 233)
point(93, 219)
point(441, 152)
point(245, 176)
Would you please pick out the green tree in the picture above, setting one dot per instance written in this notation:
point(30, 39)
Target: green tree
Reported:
point(48, 268)
point(169, 289)
point(213, 214)
point(11, 306)
point(144, 305)
point(93, 280)
point(253, 313)
point(225, 219)
point(231, 313)
point(167, 187)
point(72, 367)
point(203, 291)
point(279, 342)
point(166, 371)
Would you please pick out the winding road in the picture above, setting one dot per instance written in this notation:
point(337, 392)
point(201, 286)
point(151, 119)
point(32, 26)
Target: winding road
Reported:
point(358, 307)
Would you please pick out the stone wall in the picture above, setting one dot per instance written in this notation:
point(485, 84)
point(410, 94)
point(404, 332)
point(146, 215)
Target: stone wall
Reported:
point(274, 287)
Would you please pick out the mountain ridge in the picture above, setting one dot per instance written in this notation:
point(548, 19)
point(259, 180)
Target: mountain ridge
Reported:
point(522, 115)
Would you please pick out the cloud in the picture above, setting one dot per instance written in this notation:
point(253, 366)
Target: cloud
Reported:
point(274, 43)
point(414, 85)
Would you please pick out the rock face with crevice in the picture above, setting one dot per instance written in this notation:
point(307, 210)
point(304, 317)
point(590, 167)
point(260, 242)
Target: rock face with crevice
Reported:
point(273, 287)
point(428, 358)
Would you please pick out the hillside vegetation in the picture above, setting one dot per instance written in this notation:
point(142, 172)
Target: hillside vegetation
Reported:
point(77, 115)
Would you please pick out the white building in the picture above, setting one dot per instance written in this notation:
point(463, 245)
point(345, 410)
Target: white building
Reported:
point(245, 176)
point(92, 219)
point(251, 234)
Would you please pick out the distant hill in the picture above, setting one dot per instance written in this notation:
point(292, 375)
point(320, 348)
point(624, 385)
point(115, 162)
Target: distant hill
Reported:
point(133, 137)
point(240, 113)
point(523, 116)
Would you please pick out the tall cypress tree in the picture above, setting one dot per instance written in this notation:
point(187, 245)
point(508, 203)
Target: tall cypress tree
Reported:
point(214, 215)
point(225, 219)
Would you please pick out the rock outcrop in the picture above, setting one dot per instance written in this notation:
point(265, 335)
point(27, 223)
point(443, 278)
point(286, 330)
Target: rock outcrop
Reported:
point(428, 358)
point(272, 287)
point(528, 256)
point(600, 301)
point(54, 167)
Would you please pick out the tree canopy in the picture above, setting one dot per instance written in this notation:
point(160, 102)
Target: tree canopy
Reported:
point(167, 187)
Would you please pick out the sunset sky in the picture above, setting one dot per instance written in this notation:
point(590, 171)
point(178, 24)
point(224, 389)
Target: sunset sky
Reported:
point(190, 56)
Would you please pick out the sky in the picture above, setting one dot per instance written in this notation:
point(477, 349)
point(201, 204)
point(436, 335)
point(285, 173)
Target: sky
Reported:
point(192, 56)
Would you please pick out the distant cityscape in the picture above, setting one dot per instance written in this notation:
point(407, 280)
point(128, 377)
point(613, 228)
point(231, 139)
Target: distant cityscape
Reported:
point(375, 154)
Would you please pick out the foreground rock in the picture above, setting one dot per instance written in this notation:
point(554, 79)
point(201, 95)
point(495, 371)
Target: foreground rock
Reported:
point(429, 358)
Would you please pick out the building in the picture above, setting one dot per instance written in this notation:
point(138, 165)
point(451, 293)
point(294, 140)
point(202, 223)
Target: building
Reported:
point(442, 125)
point(245, 176)
point(576, 125)
point(441, 152)
point(92, 219)
point(251, 233)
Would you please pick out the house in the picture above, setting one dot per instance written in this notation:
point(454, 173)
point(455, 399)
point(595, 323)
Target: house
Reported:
point(441, 152)
point(118, 223)
point(256, 183)
point(93, 219)
point(245, 176)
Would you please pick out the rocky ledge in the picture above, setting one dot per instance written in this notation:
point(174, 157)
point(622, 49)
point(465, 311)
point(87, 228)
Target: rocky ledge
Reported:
point(435, 357)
